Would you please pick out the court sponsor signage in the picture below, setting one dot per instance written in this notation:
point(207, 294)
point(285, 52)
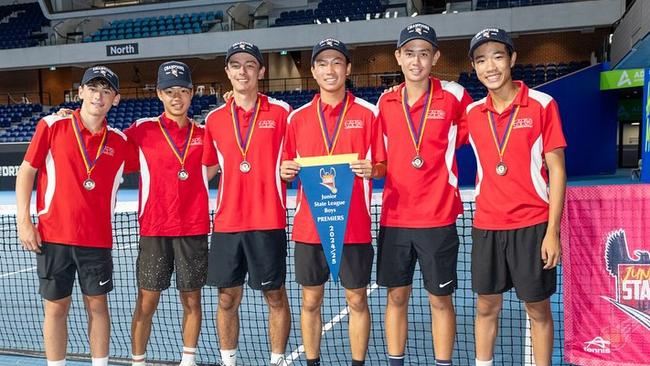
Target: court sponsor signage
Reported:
point(327, 182)
point(620, 79)
point(122, 49)
point(606, 271)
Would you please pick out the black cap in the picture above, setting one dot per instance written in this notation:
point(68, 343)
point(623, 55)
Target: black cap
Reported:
point(174, 73)
point(490, 35)
point(330, 44)
point(249, 48)
point(104, 73)
point(417, 31)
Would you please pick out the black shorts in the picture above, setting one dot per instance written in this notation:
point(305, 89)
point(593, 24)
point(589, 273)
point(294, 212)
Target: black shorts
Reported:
point(435, 249)
point(503, 259)
point(262, 254)
point(312, 269)
point(57, 265)
point(158, 255)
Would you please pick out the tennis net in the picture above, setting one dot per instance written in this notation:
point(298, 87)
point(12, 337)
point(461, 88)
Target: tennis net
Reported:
point(21, 312)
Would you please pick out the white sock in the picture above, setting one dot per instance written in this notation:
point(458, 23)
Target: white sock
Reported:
point(229, 357)
point(138, 360)
point(484, 363)
point(189, 356)
point(56, 363)
point(276, 358)
point(100, 361)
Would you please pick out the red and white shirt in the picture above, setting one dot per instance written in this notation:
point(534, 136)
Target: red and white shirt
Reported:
point(429, 196)
point(253, 200)
point(169, 206)
point(358, 134)
point(67, 212)
point(520, 197)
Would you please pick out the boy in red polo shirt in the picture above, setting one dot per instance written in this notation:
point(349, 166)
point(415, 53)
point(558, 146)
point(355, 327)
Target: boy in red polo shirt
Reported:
point(335, 122)
point(173, 214)
point(422, 125)
point(244, 138)
point(516, 134)
point(79, 160)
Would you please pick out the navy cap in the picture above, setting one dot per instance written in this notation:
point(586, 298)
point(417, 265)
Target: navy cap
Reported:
point(490, 35)
point(246, 47)
point(102, 72)
point(174, 73)
point(417, 31)
point(330, 44)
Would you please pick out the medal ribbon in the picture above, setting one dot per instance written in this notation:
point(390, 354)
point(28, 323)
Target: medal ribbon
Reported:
point(90, 164)
point(503, 142)
point(416, 135)
point(244, 144)
point(330, 144)
point(180, 155)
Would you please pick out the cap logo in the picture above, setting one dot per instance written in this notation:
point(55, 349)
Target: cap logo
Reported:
point(486, 34)
point(101, 70)
point(174, 70)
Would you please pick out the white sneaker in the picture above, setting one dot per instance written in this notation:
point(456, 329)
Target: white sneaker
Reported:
point(187, 364)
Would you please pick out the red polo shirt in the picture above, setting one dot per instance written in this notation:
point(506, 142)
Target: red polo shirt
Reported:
point(359, 134)
point(169, 206)
point(520, 197)
point(253, 200)
point(429, 196)
point(67, 212)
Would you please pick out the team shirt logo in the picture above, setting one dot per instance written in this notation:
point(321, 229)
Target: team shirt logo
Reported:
point(267, 123)
point(632, 274)
point(523, 123)
point(196, 141)
point(437, 114)
point(353, 124)
point(327, 179)
point(109, 151)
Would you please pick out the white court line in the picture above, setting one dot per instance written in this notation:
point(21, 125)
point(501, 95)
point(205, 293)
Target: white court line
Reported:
point(335, 320)
point(16, 272)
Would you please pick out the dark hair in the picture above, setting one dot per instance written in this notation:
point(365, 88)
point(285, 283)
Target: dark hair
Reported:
point(100, 83)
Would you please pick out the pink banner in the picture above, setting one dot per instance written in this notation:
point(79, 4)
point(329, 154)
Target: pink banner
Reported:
point(606, 244)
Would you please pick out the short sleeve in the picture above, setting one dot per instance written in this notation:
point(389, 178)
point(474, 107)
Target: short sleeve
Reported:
point(39, 146)
point(552, 134)
point(209, 151)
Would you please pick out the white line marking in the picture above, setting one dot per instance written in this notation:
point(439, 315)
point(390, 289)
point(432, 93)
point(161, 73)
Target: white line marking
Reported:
point(340, 316)
point(16, 272)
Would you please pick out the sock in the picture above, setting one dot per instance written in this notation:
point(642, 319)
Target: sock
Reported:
point(443, 362)
point(189, 356)
point(358, 363)
point(229, 357)
point(138, 360)
point(313, 362)
point(396, 360)
point(483, 363)
point(56, 363)
point(103, 361)
point(276, 358)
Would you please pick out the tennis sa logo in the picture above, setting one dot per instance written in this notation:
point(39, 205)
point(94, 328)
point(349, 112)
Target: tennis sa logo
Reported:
point(632, 274)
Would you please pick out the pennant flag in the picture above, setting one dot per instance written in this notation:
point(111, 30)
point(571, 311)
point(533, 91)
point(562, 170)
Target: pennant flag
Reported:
point(327, 182)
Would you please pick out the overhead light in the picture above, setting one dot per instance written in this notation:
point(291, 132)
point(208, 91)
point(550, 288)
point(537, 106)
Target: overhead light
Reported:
point(318, 21)
point(394, 14)
point(635, 123)
point(347, 19)
point(414, 14)
point(377, 16)
point(337, 20)
point(367, 16)
point(328, 20)
point(284, 53)
point(387, 15)
point(52, 68)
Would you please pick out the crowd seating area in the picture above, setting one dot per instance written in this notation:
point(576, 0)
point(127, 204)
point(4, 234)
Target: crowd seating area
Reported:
point(157, 26)
point(18, 122)
point(498, 4)
point(296, 98)
point(332, 9)
point(20, 25)
point(530, 74)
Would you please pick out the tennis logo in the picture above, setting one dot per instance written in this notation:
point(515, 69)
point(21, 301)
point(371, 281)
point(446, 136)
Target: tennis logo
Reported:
point(267, 123)
point(523, 123)
point(353, 123)
point(196, 141)
point(436, 114)
point(632, 274)
point(327, 179)
point(597, 345)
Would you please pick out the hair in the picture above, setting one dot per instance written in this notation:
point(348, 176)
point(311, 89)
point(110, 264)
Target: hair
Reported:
point(100, 83)
point(508, 49)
